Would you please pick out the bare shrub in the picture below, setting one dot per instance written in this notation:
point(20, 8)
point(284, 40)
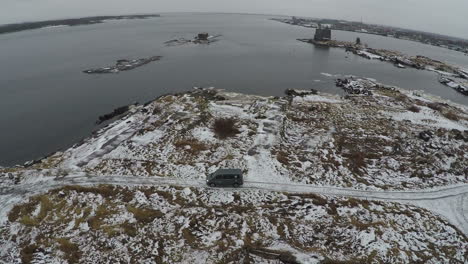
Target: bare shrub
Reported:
point(27, 253)
point(363, 226)
point(157, 110)
point(435, 106)
point(225, 127)
point(282, 157)
point(414, 109)
point(356, 161)
point(401, 97)
point(451, 115)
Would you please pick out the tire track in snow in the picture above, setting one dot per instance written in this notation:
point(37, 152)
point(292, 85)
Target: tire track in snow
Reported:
point(447, 202)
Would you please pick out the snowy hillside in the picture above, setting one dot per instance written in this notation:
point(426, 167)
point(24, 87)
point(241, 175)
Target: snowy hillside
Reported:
point(364, 179)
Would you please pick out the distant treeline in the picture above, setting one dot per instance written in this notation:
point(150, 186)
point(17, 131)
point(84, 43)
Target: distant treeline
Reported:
point(10, 28)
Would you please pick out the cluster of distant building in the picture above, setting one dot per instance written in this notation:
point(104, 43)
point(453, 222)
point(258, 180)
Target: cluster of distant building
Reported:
point(323, 25)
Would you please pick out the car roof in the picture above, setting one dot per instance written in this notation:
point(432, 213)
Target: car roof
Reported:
point(228, 171)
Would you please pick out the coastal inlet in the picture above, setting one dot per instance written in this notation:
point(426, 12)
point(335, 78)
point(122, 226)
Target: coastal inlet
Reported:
point(449, 75)
point(123, 65)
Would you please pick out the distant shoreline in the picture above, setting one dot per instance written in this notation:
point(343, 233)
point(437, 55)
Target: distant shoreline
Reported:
point(18, 27)
point(443, 41)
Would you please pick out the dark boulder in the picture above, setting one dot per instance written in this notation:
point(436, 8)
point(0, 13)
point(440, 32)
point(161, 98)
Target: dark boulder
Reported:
point(301, 93)
point(118, 111)
point(426, 135)
point(458, 135)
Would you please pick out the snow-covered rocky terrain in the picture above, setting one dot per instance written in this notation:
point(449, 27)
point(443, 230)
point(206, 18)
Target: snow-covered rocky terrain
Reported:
point(391, 140)
point(167, 224)
point(368, 156)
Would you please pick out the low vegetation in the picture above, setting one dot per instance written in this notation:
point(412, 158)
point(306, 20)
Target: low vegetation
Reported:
point(89, 224)
point(414, 109)
point(451, 115)
point(191, 145)
point(225, 128)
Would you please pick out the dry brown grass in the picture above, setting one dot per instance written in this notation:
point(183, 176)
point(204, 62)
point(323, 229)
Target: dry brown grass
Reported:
point(414, 109)
point(27, 252)
point(401, 97)
point(350, 261)
point(23, 209)
point(451, 115)
point(144, 215)
point(280, 255)
point(356, 151)
point(283, 157)
point(353, 202)
point(316, 199)
point(281, 214)
point(28, 221)
point(157, 110)
point(71, 250)
point(23, 212)
point(389, 92)
point(225, 128)
point(102, 212)
point(129, 229)
point(356, 161)
point(189, 237)
point(435, 106)
point(195, 145)
point(105, 191)
point(363, 226)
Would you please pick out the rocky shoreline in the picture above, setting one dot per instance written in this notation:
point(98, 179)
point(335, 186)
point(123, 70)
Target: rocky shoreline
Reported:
point(458, 77)
point(202, 38)
point(141, 178)
point(123, 65)
point(11, 28)
point(183, 120)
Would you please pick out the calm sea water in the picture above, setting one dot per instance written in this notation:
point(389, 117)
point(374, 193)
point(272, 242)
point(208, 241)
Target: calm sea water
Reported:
point(47, 103)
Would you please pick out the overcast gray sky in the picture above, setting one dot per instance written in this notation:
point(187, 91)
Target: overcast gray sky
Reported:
point(439, 16)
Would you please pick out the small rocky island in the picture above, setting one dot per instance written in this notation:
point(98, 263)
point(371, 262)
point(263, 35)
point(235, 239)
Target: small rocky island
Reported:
point(123, 65)
point(201, 38)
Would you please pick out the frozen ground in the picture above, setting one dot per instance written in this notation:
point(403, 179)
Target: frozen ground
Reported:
point(391, 140)
point(173, 221)
point(403, 151)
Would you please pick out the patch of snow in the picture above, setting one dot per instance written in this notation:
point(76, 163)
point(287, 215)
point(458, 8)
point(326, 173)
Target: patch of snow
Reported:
point(317, 98)
point(366, 238)
point(225, 110)
point(327, 74)
point(148, 137)
point(368, 54)
point(427, 117)
point(203, 134)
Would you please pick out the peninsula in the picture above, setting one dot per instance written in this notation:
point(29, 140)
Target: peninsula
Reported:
point(377, 175)
point(11, 28)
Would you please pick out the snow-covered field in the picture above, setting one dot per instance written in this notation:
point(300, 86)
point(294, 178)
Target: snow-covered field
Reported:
point(391, 140)
point(167, 224)
point(385, 147)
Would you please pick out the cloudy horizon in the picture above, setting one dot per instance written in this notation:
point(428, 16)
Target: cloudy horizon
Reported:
point(440, 17)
